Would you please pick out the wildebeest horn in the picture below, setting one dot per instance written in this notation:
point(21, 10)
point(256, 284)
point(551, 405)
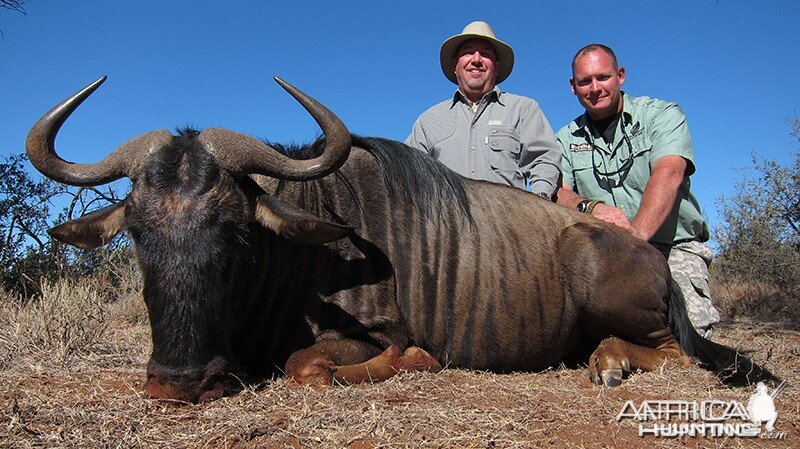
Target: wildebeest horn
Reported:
point(124, 161)
point(243, 154)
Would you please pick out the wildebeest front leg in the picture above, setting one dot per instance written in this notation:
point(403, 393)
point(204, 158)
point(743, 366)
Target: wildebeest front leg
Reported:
point(614, 356)
point(352, 361)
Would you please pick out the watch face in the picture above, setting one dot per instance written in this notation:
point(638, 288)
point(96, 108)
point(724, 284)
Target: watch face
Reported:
point(582, 206)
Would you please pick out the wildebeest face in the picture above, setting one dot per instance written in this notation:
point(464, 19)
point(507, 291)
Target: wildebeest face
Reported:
point(190, 224)
point(194, 215)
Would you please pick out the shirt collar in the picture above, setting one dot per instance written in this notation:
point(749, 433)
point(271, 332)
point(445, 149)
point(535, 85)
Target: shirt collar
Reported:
point(582, 122)
point(493, 95)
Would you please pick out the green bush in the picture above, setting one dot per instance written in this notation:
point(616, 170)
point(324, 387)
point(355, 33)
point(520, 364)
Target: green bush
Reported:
point(27, 253)
point(759, 237)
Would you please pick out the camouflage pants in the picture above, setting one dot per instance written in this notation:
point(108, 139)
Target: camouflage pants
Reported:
point(689, 263)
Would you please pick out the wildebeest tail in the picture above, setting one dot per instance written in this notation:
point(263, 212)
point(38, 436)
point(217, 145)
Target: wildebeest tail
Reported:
point(732, 367)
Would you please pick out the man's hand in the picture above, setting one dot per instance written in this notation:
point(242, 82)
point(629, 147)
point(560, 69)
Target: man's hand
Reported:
point(615, 216)
point(610, 214)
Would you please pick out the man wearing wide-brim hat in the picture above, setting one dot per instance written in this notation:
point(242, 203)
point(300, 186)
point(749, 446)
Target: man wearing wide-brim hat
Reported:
point(482, 132)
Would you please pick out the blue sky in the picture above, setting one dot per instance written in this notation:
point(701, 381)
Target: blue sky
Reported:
point(731, 65)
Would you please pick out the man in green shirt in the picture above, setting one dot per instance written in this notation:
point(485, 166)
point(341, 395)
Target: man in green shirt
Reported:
point(627, 161)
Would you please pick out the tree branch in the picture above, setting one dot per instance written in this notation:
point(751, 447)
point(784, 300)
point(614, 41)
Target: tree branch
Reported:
point(29, 232)
point(16, 5)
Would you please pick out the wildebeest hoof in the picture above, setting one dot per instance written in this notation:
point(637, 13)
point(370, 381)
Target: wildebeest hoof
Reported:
point(417, 359)
point(609, 362)
point(611, 377)
point(310, 368)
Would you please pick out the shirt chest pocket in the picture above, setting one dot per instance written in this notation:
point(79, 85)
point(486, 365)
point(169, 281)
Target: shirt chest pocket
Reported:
point(638, 175)
point(504, 148)
point(640, 143)
point(582, 172)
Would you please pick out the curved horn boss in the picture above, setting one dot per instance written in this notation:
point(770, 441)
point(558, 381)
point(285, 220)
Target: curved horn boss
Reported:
point(242, 154)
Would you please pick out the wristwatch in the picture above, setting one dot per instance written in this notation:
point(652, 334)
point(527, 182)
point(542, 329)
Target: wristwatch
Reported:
point(583, 205)
point(587, 206)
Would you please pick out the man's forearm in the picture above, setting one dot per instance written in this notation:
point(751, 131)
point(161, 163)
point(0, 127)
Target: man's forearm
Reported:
point(659, 196)
point(656, 205)
point(566, 197)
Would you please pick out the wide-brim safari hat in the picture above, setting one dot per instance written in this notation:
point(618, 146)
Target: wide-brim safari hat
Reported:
point(476, 30)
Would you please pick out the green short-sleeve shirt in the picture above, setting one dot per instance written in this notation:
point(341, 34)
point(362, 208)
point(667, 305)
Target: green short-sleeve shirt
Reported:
point(617, 174)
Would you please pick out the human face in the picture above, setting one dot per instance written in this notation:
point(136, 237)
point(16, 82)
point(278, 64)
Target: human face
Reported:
point(476, 68)
point(596, 83)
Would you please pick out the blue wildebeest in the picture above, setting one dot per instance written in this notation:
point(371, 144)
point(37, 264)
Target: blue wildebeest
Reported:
point(360, 257)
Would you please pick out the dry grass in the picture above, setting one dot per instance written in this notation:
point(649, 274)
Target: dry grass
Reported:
point(737, 299)
point(73, 365)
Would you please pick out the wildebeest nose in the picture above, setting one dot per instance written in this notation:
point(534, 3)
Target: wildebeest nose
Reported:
point(192, 386)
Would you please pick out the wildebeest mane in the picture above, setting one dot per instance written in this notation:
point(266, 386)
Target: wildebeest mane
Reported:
point(414, 175)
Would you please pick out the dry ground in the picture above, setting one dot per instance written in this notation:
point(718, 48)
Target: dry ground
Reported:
point(81, 387)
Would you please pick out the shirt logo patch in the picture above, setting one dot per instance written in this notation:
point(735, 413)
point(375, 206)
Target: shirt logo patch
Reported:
point(495, 122)
point(578, 147)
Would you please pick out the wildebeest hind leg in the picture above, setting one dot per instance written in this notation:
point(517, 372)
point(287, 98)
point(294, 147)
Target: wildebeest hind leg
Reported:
point(331, 360)
point(614, 356)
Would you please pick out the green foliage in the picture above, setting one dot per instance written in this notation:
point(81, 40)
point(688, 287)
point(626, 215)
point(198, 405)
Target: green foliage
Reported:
point(27, 253)
point(24, 219)
point(759, 236)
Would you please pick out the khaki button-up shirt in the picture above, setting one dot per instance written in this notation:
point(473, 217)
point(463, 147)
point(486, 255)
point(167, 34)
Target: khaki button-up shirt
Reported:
point(506, 140)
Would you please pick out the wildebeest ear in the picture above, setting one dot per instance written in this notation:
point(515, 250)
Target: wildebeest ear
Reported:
point(93, 229)
point(295, 224)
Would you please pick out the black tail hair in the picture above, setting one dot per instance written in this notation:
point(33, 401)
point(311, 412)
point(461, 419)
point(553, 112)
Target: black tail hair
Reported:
point(732, 367)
